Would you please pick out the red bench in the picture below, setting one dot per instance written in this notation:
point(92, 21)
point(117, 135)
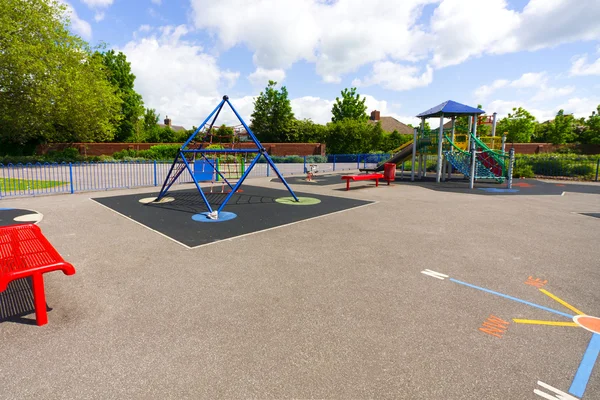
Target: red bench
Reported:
point(362, 177)
point(24, 252)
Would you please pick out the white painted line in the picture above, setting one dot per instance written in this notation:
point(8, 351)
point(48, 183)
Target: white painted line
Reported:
point(563, 193)
point(560, 395)
point(140, 224)
point(234, 237)
point(434, 274)
point(282, 226)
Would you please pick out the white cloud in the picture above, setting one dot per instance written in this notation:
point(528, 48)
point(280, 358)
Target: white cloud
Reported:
point(468, 28)
point(579, 107)
point(484, 91)
point(581, 67)
point(281, 32)
point(79, 26)
point(341, 36)
point(262, 76)
point(537, 81)
point(530, 79)
point(97, 3)
point(549, 93)
point(175, 76)
point(396, 77)
point(99, 16)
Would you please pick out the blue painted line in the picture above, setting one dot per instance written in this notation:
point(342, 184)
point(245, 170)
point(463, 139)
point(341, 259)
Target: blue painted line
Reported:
point(5, 209)
point(513, 298)
point(582, 376)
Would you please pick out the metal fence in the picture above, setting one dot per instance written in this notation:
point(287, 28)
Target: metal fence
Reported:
point(558, 166)
point(49, 178)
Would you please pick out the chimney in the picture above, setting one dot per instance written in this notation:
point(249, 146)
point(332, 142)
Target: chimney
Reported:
point(375, 115)
point(167, 121)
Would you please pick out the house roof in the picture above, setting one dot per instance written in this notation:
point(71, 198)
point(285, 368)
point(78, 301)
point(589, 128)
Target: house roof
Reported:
point(176, 128)
point(390, 124)
point(450, 108)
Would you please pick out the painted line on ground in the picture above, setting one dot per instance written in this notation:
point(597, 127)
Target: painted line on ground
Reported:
point(234, 237)
point(539, 322)
point(582, 376)
point(282, 226)
point(140, 224)
point(561, 301)
point(513, 298)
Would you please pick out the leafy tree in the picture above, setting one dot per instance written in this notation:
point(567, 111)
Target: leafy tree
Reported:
point(272, 117)
point(225, 134)
point(118, 71)
point(306, 131)
point(393, 140)
point(561, 129)
point(52, 87)
point(350, 136)
point(520, 126)
point(591, 132)
point(351, 106)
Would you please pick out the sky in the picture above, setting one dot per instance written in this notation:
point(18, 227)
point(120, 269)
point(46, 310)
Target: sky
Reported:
point(404, 56)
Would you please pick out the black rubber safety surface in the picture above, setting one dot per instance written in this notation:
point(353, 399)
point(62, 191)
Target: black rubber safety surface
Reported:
point(256, 209)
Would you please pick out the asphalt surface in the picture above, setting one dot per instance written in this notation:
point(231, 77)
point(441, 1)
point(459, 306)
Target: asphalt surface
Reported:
point(334, 307)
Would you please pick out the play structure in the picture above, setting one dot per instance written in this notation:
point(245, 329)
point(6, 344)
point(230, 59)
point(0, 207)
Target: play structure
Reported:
point(215, 160)
point(453, 149)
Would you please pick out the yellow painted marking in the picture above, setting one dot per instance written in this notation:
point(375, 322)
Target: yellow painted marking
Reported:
point(564, 303)
point(538, 322)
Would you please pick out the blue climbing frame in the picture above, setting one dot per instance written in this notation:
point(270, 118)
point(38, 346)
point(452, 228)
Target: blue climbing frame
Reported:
point(185, 151)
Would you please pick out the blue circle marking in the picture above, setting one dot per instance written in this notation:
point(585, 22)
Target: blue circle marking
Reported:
point(223, 216)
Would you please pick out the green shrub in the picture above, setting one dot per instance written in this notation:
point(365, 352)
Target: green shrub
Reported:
point(523, 171)
point(316, 159)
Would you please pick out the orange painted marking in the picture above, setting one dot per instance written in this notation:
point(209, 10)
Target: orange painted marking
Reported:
point(494, 326)
point(537, 282)
point(522, 184)
point(592, 324)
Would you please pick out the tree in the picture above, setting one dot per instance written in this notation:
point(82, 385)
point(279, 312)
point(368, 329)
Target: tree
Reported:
point(306, 131)
point(591, 132)
point(52, 87)
point(272, 117)
point(351, 106)
point(225, 134)
point(118, 72)
point(561, 129)
point(350, 136)
point(520, 126)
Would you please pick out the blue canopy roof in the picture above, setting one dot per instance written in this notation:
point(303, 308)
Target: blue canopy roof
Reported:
point(450, 109)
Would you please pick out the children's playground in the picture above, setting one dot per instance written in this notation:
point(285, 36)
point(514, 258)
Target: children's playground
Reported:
point(450, 281)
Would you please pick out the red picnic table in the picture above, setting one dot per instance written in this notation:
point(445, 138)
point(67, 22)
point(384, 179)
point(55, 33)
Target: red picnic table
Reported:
point(24, 252)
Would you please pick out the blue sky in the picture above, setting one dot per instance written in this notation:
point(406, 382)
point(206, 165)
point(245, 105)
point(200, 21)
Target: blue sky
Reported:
point(404, 56)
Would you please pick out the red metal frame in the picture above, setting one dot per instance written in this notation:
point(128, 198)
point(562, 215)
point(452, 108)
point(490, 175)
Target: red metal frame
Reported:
point(24, 251)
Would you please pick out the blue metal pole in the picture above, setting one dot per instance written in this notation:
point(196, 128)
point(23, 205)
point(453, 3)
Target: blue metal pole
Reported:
point(239, 183)
point(155, 175)
point(202, 125)
point(305, 171)
point(187, 166)
point(71, 177)
point(334, 162)
point(597, 168)
point(357, 161)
